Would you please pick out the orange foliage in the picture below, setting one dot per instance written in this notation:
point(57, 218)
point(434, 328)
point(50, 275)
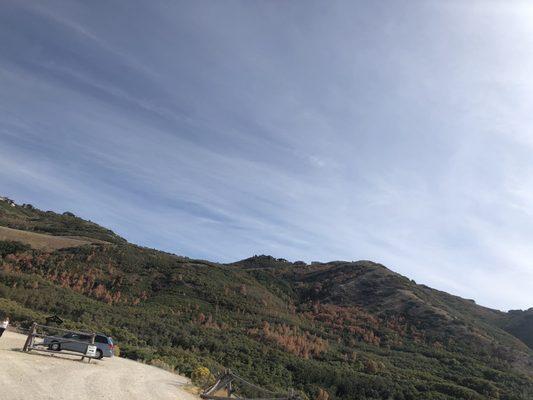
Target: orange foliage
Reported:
point(88, 283)
point(291, 339)
point(352, 320)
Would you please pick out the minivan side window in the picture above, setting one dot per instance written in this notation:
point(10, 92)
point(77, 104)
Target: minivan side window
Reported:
point(100, 339)
point(73, 336)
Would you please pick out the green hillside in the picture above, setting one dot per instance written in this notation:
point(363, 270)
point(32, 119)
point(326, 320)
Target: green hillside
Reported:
point(520, 324)
point(354, 329)
point(28, 218)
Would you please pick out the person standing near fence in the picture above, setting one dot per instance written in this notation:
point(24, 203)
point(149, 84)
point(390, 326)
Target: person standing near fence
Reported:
point(3, 326)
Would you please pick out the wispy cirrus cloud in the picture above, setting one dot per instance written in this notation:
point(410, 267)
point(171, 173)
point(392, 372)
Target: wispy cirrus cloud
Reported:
point(351, 130)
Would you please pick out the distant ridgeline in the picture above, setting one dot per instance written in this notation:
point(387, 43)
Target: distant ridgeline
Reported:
point(338, 330)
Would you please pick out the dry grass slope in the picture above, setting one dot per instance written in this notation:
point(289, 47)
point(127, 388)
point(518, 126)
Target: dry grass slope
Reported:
point(42, 241)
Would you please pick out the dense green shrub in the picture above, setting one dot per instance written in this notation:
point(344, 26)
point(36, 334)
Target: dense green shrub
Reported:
point(329, 327)
point(10, 247)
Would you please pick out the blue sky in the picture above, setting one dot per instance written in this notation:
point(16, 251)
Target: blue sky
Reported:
point(400, 132)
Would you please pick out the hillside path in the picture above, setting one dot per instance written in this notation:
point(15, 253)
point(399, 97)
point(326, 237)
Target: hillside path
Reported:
point(43, 377)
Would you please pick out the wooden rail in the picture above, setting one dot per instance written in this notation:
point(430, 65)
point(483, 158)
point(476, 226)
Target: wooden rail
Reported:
point(30, 343)
point(225, 382)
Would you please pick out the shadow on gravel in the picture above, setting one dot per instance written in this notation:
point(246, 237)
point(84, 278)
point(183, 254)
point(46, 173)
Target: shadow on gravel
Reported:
point(59, 356)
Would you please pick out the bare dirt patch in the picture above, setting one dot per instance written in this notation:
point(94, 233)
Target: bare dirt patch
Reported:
point(42, 377)
point(41, 241)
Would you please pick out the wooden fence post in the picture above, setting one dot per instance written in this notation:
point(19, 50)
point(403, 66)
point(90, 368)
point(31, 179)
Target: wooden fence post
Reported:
point(29, 340)
point(93, 336)
point(92, 343)
point(229, 389)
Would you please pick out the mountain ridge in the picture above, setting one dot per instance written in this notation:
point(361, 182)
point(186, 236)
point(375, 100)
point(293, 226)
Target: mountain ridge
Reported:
point(354, 329)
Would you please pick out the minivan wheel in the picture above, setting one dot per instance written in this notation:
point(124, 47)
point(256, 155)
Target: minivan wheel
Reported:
point(55, 346)
point(99, 354)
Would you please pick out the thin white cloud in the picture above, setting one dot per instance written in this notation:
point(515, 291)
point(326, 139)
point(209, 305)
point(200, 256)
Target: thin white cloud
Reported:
point(340, 133)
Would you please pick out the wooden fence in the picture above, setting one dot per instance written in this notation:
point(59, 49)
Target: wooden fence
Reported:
point(52, 334)
point(229, 385)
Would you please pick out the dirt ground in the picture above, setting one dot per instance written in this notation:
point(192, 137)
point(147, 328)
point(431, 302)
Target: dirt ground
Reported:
point(39, 376)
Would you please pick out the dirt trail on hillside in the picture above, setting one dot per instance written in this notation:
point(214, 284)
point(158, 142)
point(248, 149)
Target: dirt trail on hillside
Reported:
point(42, 377)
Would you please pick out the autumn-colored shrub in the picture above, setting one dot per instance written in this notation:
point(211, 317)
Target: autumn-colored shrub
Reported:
point(322, 395)
point(201, 376)
point(292, 339)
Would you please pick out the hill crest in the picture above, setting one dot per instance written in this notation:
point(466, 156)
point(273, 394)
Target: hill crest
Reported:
point(344, 327)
